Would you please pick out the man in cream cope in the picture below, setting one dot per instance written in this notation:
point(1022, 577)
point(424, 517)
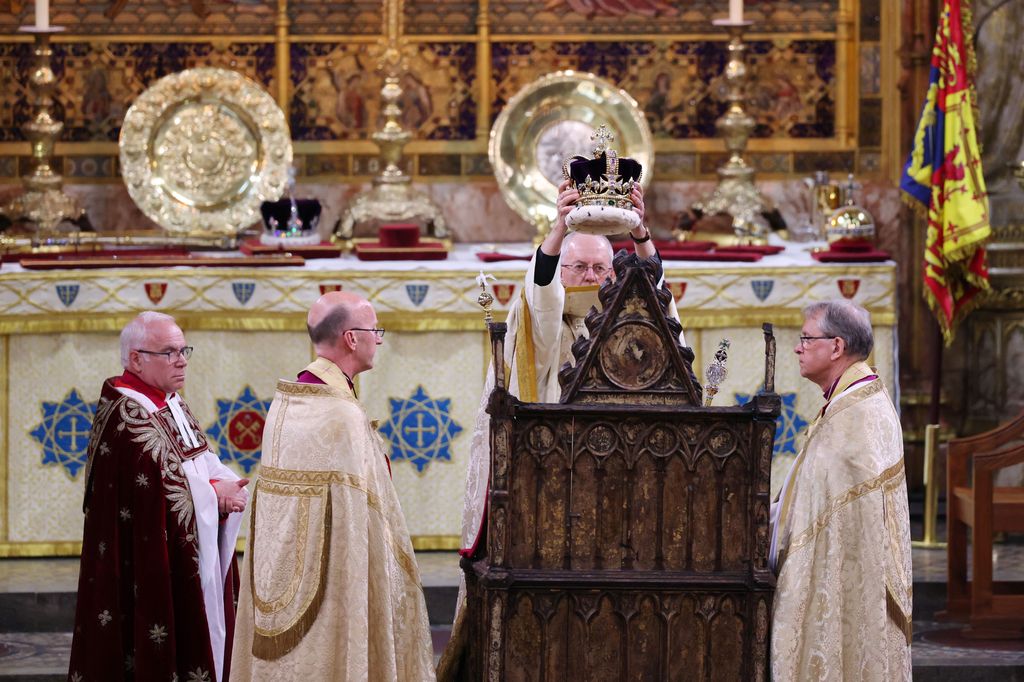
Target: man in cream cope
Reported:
point(840, 526)
point(330, 587)
point(156, 586)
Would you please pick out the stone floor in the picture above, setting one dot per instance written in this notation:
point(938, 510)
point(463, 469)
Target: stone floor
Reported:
point(37, 598)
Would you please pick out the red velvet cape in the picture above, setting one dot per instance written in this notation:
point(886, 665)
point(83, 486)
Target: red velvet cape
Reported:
point(140, 612)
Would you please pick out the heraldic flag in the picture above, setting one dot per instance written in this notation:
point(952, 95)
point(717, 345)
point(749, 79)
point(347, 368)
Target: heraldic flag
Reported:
point(943, 179)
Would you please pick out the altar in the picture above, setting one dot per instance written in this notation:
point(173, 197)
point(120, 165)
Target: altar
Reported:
point(59, 331)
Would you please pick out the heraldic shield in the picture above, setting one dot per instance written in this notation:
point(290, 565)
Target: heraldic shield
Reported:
point(288, 583)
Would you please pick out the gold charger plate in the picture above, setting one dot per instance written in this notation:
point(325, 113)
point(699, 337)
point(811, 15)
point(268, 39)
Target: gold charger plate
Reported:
point(202, 149)
point(552, 119)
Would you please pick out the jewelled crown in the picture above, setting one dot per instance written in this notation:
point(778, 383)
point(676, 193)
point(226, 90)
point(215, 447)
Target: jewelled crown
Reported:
point(605, 179)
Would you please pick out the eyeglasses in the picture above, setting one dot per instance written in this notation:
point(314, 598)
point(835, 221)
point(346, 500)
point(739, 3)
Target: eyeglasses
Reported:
point(581, 269)
point(378, 332)
point(170, 355)
point(805, 339)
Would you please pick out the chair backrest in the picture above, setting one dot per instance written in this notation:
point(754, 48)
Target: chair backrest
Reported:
point(998, 448)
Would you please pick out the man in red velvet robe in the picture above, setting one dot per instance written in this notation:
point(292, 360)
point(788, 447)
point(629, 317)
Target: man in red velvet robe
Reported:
point(157, 580)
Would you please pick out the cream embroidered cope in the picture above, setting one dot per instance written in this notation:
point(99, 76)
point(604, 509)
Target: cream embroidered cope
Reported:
point(843, 598)
point(330, 587)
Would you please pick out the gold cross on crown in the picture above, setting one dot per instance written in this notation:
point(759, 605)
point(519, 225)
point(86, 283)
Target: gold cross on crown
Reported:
point(603, 136)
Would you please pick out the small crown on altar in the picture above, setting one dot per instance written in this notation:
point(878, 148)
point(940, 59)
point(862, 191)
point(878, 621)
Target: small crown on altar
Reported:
point(605, 179)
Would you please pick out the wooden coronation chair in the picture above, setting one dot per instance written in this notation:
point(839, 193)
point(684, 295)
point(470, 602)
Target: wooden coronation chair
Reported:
point(993, 609)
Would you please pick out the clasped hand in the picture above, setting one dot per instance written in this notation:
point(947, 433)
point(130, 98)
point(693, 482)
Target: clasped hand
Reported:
point(230, 495)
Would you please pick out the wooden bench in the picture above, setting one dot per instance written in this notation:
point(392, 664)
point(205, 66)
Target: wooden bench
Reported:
point(994, 609)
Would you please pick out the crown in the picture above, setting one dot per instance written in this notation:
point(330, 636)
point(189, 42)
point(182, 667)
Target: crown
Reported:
point(604, 179)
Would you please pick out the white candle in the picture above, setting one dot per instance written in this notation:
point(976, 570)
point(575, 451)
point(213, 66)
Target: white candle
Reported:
point(42, 13)
point(735, 11)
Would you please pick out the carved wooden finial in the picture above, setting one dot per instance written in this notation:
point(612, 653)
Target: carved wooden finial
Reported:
point(769, 357)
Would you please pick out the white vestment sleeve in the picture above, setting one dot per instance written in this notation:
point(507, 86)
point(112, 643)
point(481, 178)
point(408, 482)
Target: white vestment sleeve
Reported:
point(546, 304)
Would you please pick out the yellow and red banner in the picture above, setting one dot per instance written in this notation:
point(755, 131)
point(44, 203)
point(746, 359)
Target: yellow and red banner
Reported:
point(943, 178)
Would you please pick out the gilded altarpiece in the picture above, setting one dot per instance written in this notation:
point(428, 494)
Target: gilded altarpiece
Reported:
point(816, 65)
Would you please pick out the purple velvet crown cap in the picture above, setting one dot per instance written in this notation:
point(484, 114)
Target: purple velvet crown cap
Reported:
point(581, 167)
point(280, 211)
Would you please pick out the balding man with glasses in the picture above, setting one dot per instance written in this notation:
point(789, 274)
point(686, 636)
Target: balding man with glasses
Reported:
point(330, 585)
point(156, 586)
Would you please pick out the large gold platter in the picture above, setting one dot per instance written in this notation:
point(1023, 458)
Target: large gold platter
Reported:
point(551, 119)
point(202, 149)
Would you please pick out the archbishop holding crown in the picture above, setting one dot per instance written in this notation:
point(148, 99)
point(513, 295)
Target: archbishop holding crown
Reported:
point(599, 196)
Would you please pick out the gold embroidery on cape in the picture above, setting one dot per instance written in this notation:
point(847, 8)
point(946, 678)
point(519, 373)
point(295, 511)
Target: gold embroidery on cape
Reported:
point(185, 450)
point(273, 644)
point(335, 382)
point(893, 473)
point(318, 478)
point(524, 354)
point(103, 412)
point(846, 401)
point(291, 477)
point(282, 409)
point(296, 388)
point(894, 535)
point(301, 535)
point(895, 611)
point(159, 446)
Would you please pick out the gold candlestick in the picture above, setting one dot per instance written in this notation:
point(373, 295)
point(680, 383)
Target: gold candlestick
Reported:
point(43, 202)
point(736, 193)
point(391, 197)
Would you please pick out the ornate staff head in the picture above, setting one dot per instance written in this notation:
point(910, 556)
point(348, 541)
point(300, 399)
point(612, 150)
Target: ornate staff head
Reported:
point(485, 300)
point(716, 372)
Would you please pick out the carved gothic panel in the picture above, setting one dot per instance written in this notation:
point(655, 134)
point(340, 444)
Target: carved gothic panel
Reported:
point(630, 635)
point(585, 492)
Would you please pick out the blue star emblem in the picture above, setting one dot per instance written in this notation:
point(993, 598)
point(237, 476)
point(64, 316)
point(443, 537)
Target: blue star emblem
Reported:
point(789, 423)
point(64, 432)
point(238, 431)
point(420, 429)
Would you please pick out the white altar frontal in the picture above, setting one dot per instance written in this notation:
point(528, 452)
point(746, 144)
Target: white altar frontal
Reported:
point(59, 334)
